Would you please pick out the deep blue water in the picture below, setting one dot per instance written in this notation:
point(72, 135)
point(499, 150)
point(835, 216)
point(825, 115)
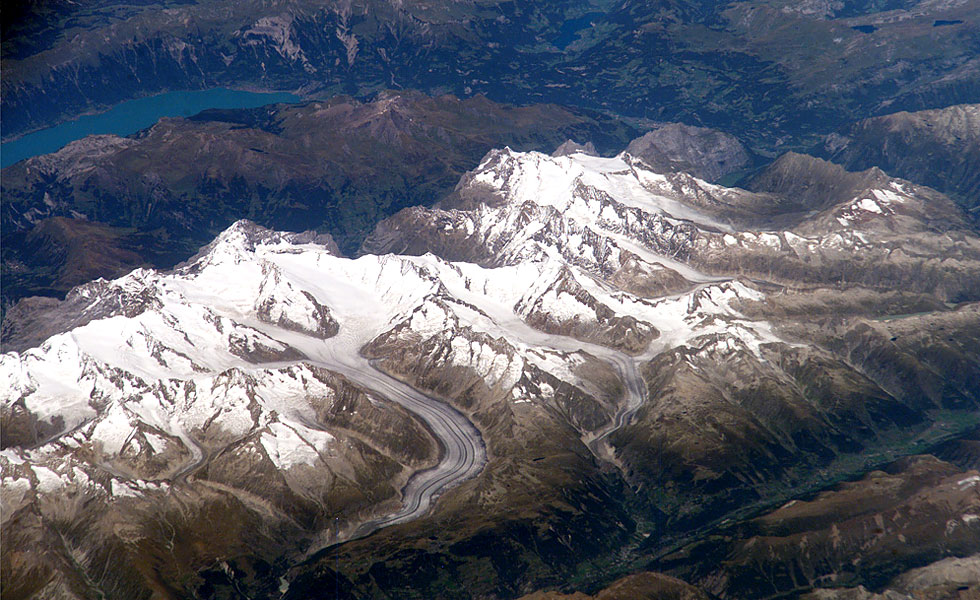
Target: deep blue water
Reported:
point(569, 29)
point(131, 116)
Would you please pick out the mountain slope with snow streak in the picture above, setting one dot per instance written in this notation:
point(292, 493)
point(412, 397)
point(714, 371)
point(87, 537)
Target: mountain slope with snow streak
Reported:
point(242, 346)
point(758, 343)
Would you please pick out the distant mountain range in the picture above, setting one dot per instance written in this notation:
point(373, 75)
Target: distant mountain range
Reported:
point(773, 72)
point(104, 205)
point(938, 148)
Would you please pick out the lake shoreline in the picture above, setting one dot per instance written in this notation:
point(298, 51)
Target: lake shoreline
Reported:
point(130, 116)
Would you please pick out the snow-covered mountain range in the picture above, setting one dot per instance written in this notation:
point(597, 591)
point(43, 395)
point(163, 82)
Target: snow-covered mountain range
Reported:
point(649, 325)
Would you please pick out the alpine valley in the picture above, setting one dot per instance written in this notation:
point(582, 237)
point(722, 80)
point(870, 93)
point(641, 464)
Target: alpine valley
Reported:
point(573, 372)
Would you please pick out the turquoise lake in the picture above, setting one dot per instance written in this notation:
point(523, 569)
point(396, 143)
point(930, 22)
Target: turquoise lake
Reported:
point(131, 116)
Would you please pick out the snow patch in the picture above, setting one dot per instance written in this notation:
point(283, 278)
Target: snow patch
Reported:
point(972, 481)
point(294, 444)
point(47, 480)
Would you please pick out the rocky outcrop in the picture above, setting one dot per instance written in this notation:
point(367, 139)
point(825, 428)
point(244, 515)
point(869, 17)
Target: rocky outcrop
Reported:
point(939, 148)
point(909, 531)
point(812, 183)
point(640, 586)
point(949, 578)
point(569, 147)
point(707, 154)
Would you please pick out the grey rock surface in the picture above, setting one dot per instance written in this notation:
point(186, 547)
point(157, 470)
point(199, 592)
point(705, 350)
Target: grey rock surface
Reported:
point(708, 154)
point(939, 148)
point(573, 147)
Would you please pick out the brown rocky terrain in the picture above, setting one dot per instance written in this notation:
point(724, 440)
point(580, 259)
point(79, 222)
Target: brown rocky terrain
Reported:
point(907, 531)
point(527, 368)
point(707, 154)
point(939, 148)
point(731, 424)
point(650, 371)
point(162, 535)
point(640, 586)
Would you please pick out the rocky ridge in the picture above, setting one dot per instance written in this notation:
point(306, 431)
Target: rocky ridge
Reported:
point(778, 73)
point(707, 154)
point(938, 148)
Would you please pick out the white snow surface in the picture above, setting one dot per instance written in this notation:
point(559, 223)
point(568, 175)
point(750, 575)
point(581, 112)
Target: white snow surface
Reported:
point(553, 181)
point(47, 480)
point(586, 211)
point(294, 445)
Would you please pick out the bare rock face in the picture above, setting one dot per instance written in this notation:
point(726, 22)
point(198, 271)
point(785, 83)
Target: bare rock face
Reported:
point(910, 531)
point(639, 586)
point(593, 321)
point(570, 147)
point(946, 579)
point(815, 184)
point(707, 154)
point(939, 148)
